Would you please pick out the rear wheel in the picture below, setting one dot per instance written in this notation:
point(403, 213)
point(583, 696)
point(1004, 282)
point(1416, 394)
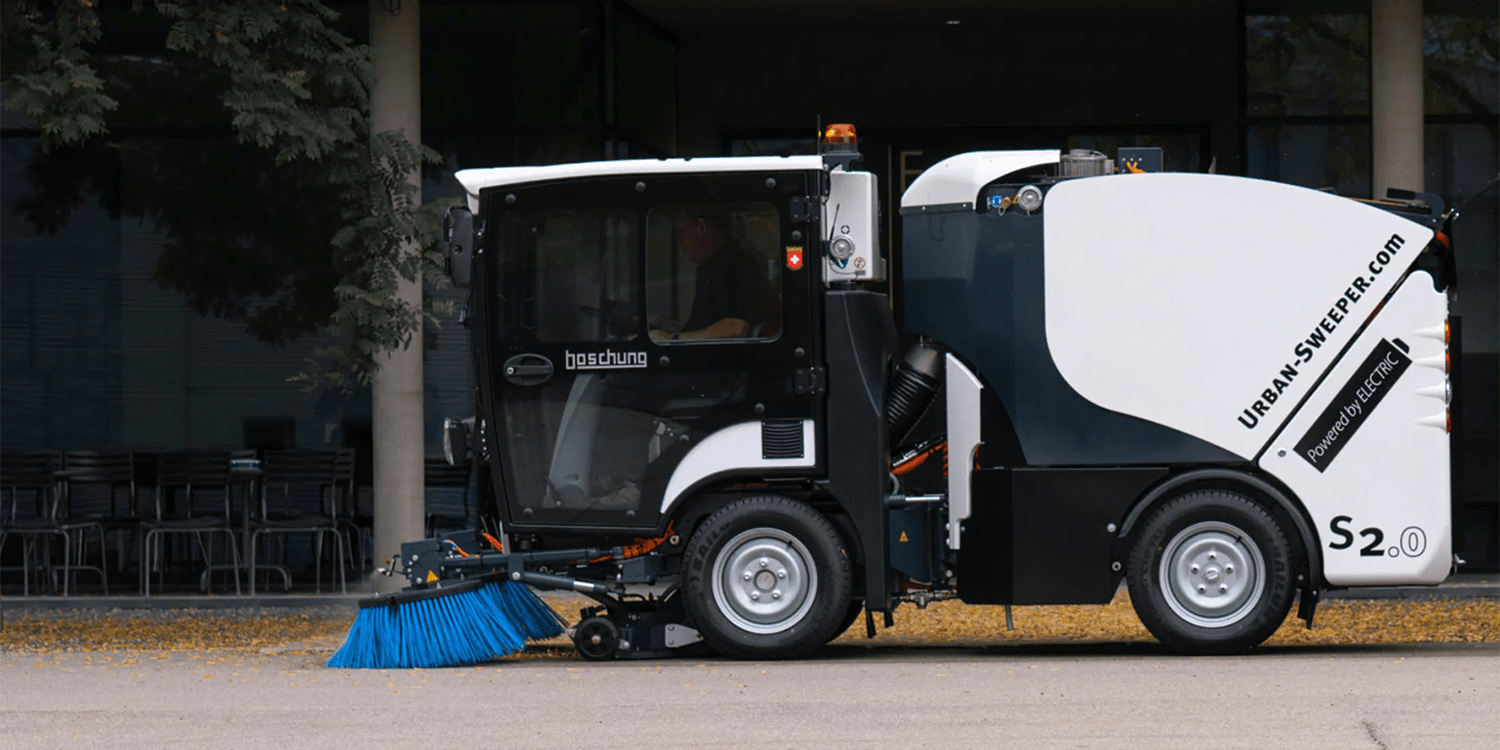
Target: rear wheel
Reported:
point(766, 578)
point(1211, 573)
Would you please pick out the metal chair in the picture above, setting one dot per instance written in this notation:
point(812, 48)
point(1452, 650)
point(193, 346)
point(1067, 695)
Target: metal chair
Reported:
point(91, 484)
point(354, 521)
point(302, 470)
point(27, 473)
point(194, 473)
point(44, 522)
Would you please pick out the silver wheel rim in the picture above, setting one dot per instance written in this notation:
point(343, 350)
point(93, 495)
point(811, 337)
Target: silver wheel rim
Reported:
point(764, 581)
point(1212, 574)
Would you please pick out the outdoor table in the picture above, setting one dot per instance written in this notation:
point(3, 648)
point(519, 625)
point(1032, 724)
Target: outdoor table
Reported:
point(243, 479)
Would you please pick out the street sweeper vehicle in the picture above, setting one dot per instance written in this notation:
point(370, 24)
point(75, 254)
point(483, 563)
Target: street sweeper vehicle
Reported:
point(708, 400)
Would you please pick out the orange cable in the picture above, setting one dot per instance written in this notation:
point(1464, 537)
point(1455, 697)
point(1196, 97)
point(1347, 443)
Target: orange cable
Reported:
point(912, 463)
point(641, 547)
point(493, 542)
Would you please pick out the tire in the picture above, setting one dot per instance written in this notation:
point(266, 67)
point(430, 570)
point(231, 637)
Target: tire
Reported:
point(766, 578)
point(1211, 573)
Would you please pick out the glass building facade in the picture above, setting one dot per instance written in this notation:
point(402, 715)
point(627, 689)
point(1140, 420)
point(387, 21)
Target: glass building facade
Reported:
point(111, 336)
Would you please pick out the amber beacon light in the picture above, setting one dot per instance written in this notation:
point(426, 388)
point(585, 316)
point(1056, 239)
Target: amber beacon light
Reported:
point(841, 135)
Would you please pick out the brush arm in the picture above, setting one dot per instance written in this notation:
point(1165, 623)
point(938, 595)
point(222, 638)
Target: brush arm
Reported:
point(431, 561)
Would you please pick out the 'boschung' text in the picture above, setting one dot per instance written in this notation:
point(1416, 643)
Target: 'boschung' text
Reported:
point(605, 360)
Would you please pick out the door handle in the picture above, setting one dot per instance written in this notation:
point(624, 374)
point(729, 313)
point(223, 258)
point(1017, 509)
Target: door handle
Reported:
point(527, 369)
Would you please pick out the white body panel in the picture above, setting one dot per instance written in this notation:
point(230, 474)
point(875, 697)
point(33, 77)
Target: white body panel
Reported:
point(962, 389)
point(1391, 474)
point(737, 446)
point(850, 213)
point(1188, 299)
point(958, 179)
point(475, 180)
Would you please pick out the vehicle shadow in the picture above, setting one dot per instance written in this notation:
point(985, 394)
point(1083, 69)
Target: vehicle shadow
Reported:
point(1096, 649)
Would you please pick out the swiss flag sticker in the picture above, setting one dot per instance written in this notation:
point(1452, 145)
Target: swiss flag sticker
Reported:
point(794, 257)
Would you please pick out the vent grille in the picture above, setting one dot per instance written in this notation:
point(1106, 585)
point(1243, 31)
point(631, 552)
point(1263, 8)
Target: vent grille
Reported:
point(781, 438)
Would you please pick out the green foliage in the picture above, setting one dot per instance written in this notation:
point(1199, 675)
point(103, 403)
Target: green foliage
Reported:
point(307, 220)
point(48, 75)
point(296, 86)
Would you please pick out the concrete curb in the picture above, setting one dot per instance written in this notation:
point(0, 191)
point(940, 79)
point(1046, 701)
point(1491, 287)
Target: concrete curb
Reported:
point(1462, 586)
point(1414, 593)
point(335, 603)
point(1459, 586)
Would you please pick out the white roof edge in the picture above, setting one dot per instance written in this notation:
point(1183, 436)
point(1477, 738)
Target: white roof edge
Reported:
point(958, 179)
point(475, 180)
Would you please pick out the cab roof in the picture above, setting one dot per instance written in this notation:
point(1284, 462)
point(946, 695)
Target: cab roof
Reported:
point(475, 180)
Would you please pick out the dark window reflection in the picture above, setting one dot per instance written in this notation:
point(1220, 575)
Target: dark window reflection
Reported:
point(1461, 76)
point(585, 284)
point(1318, 156)
point(1307, 65)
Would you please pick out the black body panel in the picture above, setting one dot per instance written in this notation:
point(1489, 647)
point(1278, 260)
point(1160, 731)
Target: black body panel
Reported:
point(974, 282)
point(985, 564)
point(860, 342)
point(918, 539)
point(1044, 536)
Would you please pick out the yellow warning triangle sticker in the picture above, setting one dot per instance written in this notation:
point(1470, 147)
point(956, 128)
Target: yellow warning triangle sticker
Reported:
point(431, 576)
point(903, 537)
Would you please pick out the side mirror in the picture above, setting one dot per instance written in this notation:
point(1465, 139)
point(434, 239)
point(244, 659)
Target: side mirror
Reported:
point(458, 244)
point(456, 438)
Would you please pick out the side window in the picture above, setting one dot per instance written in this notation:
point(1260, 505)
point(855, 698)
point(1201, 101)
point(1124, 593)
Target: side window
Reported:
point(713, 272)
point(585, 283)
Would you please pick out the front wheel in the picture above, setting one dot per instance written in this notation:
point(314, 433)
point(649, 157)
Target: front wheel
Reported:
point(766, 578)
point(1211, 573)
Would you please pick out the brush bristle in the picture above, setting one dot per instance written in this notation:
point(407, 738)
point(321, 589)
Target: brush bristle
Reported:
point(466, 627)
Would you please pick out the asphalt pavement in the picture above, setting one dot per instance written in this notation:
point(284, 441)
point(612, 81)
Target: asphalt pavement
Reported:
point(1115, 696)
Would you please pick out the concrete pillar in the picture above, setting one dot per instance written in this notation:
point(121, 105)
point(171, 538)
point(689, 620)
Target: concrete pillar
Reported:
point(1396, 94)
point(396, 104)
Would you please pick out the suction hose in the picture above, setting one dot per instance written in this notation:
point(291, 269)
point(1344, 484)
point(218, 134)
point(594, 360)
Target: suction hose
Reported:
point(913, 389)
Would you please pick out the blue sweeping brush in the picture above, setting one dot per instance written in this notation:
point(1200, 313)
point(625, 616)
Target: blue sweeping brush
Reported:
point(467, 622)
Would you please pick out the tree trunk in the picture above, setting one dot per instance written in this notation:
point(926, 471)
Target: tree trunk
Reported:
point(395, 104)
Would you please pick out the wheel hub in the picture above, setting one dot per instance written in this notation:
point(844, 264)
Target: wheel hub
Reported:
point(1212, 574)
point(596, 639)
point(764, 580)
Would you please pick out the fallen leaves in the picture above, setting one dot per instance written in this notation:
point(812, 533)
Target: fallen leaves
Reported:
point(1339, 622)
point(163, 630)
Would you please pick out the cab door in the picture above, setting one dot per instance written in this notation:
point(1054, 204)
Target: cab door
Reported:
point(613, 345)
